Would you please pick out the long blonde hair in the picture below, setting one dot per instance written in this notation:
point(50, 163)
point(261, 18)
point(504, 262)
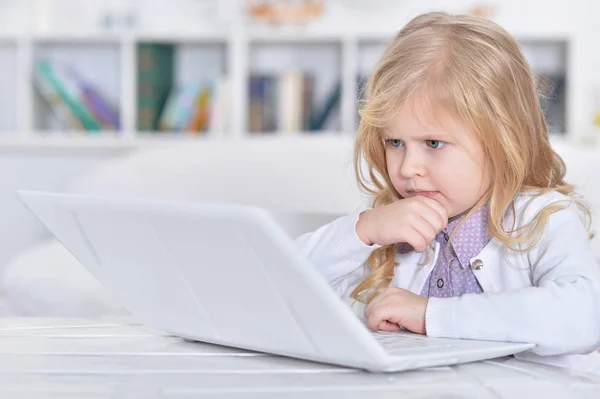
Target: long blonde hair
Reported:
point(473, 68)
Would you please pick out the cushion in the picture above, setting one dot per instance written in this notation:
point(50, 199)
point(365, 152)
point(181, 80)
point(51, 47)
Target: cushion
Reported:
point(46, 280)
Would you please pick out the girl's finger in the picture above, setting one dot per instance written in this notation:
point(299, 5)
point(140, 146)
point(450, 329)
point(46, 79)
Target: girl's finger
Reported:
point(388, 326)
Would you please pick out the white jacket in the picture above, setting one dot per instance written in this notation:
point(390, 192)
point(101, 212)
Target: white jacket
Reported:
point(549, 296)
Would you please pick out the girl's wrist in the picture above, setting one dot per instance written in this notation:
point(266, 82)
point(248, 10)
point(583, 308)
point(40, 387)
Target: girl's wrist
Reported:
point(361, 228)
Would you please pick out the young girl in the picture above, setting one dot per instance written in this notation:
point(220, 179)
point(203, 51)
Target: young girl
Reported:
point(473, 232)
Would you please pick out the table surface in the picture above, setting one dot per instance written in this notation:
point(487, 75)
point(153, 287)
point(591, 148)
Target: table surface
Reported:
point(117, 358)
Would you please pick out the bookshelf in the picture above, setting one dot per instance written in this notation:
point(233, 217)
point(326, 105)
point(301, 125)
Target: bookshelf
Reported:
point(109, 60)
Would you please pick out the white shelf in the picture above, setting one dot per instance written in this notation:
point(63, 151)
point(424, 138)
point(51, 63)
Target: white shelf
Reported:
point(287, 37)
point(294, 34)
point(201, 54)
point(205, 37)
point(75, 143)
point(65, 142)
point(84, 38)
point(259, 36)
point(116, 38)
point(375, 37)
point(62, 141)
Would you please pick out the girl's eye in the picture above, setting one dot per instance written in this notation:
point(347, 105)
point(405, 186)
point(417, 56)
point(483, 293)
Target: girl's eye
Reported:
point(395, 143)
point(435, 144)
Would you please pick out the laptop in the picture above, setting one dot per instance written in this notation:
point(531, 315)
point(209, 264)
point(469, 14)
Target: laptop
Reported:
point(229, 275)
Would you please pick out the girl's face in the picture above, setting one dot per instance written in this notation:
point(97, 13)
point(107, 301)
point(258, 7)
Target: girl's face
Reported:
point(435, 157)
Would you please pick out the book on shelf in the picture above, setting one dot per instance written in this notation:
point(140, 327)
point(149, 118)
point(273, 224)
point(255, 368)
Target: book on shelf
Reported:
point(197, 108)
point(552, 88)
point(219, 106)
point(164, 106)
point(105, 113)
point(155, 75)
point(361, 86)
point(186, 106)
point(290, 99)
point(326, 110)
point(286, 102)
point(76, 104)
point(200, 112)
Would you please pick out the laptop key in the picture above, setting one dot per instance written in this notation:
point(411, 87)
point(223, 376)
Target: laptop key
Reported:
point(397, 342)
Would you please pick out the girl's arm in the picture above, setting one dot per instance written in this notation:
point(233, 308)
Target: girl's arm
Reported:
point(337, 252)
point(560, 313)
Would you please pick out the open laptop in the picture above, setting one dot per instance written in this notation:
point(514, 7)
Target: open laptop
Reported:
point(230, 275)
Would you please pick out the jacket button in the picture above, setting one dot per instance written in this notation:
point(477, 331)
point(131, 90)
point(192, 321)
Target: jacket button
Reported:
point(477, 264)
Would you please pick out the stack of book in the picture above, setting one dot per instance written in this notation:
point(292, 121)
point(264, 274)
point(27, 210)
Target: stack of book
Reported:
point(163, 106)
point(286, 103)
point(75, 103)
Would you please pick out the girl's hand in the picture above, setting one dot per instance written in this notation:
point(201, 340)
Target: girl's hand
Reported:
point(395, 308)
point(415, 221)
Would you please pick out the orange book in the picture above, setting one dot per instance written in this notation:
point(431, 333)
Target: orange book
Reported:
point(199, 120)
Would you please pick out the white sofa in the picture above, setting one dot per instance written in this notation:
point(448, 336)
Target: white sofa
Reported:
point(305, 181)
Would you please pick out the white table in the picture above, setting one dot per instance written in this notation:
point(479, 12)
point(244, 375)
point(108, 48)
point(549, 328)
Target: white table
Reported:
point(116, 358)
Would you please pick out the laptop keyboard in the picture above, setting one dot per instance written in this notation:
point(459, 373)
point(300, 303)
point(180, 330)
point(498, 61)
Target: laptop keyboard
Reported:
point(402, 342)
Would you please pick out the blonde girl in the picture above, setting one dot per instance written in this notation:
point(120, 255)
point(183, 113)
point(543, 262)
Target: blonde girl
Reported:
point(473, 231)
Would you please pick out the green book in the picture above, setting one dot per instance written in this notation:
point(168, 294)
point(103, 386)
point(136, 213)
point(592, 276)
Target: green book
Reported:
point(155, 63)
point(81, 113)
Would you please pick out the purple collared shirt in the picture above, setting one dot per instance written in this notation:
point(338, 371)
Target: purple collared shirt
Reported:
point(452, 274)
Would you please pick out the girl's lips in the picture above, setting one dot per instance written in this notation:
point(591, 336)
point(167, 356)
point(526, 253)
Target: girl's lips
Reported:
point(430, 194)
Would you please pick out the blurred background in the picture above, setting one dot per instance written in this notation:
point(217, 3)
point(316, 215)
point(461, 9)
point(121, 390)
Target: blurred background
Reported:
point(231, 101)
point(146, 68)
